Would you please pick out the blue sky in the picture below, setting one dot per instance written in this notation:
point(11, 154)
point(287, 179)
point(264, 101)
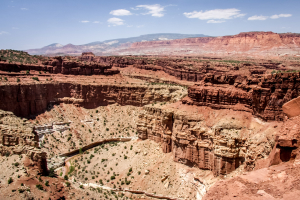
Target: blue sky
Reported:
point(26, 24)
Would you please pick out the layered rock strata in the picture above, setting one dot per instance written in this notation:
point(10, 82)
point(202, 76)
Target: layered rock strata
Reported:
point(261, 95)
point(247, 44)
point(31, 99)
point(64, 66)
point(17, 136)
point(219, 144)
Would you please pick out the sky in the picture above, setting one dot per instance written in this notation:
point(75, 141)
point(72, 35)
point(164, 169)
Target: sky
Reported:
point(28, 24)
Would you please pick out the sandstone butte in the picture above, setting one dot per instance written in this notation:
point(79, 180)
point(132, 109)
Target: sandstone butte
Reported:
point(234, 121)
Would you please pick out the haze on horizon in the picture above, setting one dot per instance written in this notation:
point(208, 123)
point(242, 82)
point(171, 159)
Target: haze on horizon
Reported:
point(34, 24)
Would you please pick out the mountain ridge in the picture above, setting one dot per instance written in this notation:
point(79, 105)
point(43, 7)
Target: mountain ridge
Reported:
point(100, 46)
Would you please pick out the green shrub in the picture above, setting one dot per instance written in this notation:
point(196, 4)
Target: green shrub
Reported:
point(66, 177)
point(72, 168)
point(35, 78)
point(47, 183)
point(10, 180)
point(39, 186)
point(68, 184)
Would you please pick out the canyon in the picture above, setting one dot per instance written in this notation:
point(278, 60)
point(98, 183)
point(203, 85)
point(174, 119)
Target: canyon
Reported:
point(199, 126)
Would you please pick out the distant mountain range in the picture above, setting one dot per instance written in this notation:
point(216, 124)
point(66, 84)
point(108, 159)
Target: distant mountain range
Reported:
point(107, 47)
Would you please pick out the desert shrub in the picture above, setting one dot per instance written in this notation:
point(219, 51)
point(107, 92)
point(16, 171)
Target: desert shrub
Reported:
point(72, 168)
point(81, 186)
point(47, 183)
point(10, 180)
point(18, 80)
point(39, 186)
point(52, 172)
point(66, 177)
point(68, 184)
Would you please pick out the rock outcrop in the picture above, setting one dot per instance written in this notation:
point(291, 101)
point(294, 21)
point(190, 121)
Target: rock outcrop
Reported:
point(17, 136)
point(31, 99)
point(248, 43)
point(261, 95)
point(219, 144)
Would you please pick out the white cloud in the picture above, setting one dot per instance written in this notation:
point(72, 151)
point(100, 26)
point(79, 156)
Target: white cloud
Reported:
point(210, 15)
point(3, 32)
point(215, 21)
point(96, 22)
point(140, 26)
point(115, 21)
point(281, 15)
point(256, 17)
point(24, 8)
point(120, 12)
point(84, 21)
point(132, 8)
point(155, 10)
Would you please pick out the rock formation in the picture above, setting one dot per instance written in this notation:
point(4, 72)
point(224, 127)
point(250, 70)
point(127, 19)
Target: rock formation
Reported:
point(219, 146)
point(263, 96)
point(248, 43)
point(84, 65)
point(17, 136)
point(32, 99)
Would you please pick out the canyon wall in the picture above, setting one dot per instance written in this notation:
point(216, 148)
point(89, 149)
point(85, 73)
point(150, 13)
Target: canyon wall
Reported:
point(58, 65)
point(17, 136)
point(249, 43)
point(31, 99)
point(263, 96)
point(220, 144)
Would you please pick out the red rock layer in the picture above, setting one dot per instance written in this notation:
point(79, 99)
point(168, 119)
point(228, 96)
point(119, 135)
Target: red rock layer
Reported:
point(263, 96)
point(58, 65)
point(250, 42)
point(220, 144)
point(31, 99)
